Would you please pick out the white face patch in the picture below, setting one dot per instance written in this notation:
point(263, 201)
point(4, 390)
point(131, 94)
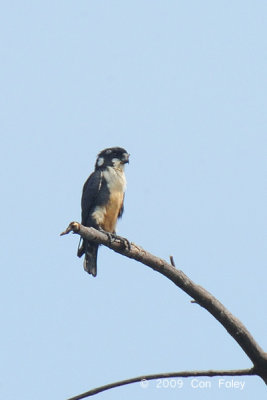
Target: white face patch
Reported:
point(100, 161)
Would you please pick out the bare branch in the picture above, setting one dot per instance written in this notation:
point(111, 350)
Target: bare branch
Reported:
point(201, 296)
point(182, 374)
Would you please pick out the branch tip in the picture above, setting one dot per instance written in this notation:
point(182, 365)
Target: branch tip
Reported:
point(172, 261)
point(73, 227)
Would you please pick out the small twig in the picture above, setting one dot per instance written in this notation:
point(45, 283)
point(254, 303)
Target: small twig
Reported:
point(172, 261)
point(183, 374)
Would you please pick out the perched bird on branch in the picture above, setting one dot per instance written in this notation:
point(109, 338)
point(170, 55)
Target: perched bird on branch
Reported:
point(102, 200)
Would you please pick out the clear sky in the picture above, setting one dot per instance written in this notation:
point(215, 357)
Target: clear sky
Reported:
point(182, 86)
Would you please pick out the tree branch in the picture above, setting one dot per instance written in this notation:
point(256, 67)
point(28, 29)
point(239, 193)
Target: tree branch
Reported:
point(201, 296)
point(182, 374)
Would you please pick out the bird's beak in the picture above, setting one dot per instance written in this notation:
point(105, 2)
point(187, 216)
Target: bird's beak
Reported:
point(125, 159)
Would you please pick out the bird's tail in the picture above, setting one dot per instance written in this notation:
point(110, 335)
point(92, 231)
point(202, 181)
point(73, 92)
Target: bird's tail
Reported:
point(89, 249)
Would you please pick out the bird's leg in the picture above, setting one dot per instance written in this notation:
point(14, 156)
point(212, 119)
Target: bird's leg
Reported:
point(109, 235)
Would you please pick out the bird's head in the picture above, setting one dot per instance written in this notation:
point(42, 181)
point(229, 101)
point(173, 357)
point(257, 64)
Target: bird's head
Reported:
point(115, 157)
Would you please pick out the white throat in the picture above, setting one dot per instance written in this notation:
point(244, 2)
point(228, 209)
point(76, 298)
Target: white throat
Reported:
point(115, 178)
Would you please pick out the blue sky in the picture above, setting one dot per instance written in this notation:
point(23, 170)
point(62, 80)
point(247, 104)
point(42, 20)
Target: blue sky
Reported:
point(182, 86)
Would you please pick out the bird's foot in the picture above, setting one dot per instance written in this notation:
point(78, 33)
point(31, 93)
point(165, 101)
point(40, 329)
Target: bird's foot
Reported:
point(112, 237)
point(125, 242)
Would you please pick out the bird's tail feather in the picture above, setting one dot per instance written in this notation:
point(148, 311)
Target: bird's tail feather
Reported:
point(90, 259)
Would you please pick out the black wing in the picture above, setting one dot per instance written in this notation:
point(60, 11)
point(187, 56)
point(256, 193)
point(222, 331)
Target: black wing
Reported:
point(90, 193)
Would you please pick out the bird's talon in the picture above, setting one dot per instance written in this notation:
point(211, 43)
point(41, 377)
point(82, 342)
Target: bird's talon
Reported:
point(125, 242)
point(111, 236)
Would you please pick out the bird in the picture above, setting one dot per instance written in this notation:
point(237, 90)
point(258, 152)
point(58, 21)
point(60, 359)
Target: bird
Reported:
point(102, 200)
